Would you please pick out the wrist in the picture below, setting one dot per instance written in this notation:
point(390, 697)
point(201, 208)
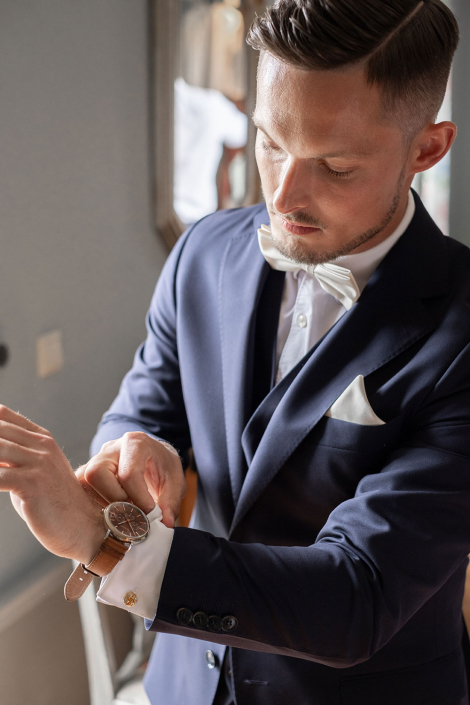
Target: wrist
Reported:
point(95, 535)
point(109, 536)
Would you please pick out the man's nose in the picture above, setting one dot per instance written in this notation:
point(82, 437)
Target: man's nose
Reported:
point(295, 189)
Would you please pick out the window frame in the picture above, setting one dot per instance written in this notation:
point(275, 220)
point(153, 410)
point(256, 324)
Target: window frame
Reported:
point(164, 21)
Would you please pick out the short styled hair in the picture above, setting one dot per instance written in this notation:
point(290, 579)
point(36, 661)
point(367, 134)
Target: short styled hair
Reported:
point(405, 46)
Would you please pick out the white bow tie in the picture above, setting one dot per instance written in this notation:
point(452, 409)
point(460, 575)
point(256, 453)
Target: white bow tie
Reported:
point(335, 280)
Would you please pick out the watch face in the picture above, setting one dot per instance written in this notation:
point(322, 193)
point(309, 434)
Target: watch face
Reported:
point(126, 521)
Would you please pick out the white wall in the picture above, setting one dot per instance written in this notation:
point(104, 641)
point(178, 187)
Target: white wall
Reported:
point(78, 251)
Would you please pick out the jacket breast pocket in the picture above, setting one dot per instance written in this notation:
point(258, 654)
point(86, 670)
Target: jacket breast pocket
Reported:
point(359, 438)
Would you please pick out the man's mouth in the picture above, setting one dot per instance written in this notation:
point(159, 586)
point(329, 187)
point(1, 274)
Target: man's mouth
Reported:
point(296, 229)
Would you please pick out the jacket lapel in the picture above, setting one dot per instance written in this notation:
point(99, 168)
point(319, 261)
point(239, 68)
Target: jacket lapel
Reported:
point(389, 317)
point(243, 271)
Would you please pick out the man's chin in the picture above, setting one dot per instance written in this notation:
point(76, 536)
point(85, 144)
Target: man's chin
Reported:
point(298, 249)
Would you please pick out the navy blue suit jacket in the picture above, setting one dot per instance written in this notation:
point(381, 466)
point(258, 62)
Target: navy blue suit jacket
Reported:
point(340, 548)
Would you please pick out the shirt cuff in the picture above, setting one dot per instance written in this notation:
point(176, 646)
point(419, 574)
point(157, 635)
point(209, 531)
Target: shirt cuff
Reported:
point(135, 583)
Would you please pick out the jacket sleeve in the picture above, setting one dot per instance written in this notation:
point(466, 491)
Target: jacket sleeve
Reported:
point(150, 398)
point(379, 558)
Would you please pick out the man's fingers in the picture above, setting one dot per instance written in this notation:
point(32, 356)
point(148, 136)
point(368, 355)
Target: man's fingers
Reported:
point(13, 417)
point(10, 479)
point(131, 474)
point(22, 436)
point(170, 498)
point(12, 454)
point(7, 479)
point(99, 479)
point(136, 488)
point(116, 473)
point(138, 469)
point(80, 475)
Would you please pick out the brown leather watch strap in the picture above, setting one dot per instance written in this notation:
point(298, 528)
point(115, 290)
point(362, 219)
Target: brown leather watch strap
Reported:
point(111, 552)
point(77, 583)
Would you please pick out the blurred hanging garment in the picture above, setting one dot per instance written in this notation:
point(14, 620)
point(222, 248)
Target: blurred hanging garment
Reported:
point(205, 121)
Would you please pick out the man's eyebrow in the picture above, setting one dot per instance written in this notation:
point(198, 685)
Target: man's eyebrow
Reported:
point(344, 154)
point(332, 155)
point(256, 121)
point(259, 125)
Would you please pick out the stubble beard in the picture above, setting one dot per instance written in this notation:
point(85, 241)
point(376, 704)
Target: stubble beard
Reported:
point(293, 248)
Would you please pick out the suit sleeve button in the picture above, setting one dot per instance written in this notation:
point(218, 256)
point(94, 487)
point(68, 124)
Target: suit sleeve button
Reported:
point(214, 623)
point(184, 616)
point(200, 620)
point(211, 659)
point(229, 623)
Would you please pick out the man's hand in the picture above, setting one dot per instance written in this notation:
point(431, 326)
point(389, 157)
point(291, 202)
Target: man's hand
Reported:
point(139, 469)
point(45, 491)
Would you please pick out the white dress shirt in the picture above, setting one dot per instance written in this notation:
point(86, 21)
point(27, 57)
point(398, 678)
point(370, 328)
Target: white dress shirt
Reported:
point(307, 313)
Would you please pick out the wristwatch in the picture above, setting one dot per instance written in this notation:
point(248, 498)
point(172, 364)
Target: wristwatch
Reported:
point(126, 525)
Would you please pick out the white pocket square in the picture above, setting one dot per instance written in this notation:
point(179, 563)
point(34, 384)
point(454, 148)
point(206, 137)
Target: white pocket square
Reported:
point(353, 406)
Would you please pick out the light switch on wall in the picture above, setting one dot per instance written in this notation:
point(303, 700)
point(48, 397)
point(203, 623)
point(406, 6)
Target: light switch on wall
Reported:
point(49, 353)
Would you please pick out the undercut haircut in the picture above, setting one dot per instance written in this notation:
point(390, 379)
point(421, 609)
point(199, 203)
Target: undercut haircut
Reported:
point(405, 46)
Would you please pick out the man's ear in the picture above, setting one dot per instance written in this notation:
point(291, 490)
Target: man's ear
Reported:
point(431, 145)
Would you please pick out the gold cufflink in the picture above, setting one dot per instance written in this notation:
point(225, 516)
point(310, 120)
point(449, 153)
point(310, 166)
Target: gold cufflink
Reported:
point(130, 599)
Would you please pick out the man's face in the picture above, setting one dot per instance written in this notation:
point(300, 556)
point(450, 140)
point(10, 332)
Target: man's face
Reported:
point(334, 173)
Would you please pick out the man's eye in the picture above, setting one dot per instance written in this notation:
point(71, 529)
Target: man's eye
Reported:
point(339, 174)
point(271, 147)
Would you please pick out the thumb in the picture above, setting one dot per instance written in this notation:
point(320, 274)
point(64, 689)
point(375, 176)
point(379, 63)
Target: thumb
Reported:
point(18, 504)
point(168, 518)
point(169, 501)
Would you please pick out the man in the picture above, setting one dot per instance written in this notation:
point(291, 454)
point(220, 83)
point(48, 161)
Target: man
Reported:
point(319, 369)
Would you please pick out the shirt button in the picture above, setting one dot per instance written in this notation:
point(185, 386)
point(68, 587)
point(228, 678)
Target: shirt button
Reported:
point(302, 321)
point(211, 660)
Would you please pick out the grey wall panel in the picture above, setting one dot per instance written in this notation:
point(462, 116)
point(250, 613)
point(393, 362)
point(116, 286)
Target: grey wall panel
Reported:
point(78, 252)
